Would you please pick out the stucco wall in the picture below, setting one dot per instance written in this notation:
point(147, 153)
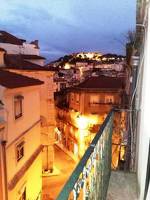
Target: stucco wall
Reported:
point(84, 106)
point(32, 180)
point(46, 92)
point(31, 110)
point(26, 128)
point(32, 142)
point(143, 129)
point(47, 110)
point(2, 59)
point(17, 49)
point(1, 175)
point(36, 61)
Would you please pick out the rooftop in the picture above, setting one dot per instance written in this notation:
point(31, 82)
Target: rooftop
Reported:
point(6, 37)
point(1, 49)
point(28, 56)
point(12, 80)
point(17, 62)
point(102, 82)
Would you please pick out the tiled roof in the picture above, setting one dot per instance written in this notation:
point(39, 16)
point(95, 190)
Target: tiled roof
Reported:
point(17, 62)
point(25, 56)
point(102, 82)
point(52, 68)
point(6, 37)
point(1, 49)
point(12, 80)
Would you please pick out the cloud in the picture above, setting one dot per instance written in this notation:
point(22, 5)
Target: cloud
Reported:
point(64, 26)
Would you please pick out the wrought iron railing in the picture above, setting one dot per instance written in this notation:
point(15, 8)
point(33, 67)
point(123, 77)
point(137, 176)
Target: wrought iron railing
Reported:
point(90, 179)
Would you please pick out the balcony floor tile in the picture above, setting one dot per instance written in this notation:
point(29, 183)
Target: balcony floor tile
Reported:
point(122, 186)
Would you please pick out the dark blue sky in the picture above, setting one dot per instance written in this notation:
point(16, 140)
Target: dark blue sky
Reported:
point(66, 26)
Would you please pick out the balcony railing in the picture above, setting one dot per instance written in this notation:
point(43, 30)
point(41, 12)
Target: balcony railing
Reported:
point(90, 179)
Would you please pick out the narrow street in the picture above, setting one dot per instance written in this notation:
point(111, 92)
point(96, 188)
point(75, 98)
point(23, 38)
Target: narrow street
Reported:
point(52, 185)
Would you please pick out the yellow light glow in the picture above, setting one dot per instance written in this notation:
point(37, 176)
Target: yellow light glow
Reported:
point(81, 71)
point(90, 55)
point(104, 58)
point(93, 119)
point(82, 122)
point(81, 149)
point(67, 66)
point(122, 153)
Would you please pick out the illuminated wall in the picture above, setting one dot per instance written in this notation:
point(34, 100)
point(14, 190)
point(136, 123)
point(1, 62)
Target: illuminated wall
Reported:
point(25, 173)
point(87, 111)
point(47, 111)
point(31, 181)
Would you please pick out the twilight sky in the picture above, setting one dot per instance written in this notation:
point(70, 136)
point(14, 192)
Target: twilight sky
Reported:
point(66, 26)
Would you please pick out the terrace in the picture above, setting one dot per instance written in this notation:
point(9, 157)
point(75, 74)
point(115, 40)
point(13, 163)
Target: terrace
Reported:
point(92, 177)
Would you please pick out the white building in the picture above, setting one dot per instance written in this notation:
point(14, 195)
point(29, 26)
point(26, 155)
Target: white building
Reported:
point(14, 45)
point(29, 65)
point(142, 92)
point(17, 46)
point(47, 112)
point(20, 137)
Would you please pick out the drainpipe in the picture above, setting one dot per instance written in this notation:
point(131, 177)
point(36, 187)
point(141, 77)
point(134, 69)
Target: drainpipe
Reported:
point(3, 145)
point(133, 115)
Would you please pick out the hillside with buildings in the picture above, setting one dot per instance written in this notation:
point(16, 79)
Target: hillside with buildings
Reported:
point(72, 69)
point(77, 90)
point(95, 58)
point(66, 124)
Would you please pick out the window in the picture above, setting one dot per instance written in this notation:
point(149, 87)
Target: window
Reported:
point(72, 96)
point(18, 106)
point(77, 98)
point(20, 151)
point(101, 100)
point(109, 99)
point(62, 86)
point(94, 99)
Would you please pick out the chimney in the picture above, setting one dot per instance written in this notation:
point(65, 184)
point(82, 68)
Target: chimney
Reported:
point(36, 43)
point(2, 53)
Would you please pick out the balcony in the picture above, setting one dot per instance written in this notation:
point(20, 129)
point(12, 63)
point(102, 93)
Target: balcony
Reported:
point(122, 185)
point(91, 177)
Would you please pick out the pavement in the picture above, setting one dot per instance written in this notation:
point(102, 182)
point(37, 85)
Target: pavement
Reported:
point(52, 185)
point(69, 153)
point(122, 186)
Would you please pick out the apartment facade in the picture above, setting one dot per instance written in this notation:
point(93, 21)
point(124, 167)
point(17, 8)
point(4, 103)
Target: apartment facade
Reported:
point(25, 64)
point(141, 99)
point(17, 46)
point(84, 109)
point(47, 113)
point(21, 158)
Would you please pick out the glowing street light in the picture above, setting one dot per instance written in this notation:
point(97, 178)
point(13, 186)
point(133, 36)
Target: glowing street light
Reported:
point(82, 122)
